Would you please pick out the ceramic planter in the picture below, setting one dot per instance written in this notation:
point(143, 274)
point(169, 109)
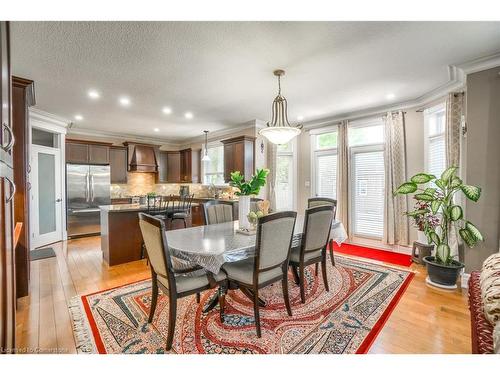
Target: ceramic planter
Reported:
point(443, 275)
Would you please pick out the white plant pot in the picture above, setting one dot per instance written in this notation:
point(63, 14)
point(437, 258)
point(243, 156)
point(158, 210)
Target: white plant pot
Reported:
point(422, 238)
point(243, 211)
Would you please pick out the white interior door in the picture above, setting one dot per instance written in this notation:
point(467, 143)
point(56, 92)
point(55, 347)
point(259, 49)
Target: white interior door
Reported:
point(46, 197)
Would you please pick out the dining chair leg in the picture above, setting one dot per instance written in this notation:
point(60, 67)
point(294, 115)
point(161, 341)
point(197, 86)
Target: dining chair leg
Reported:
point(295, 275)
point(197, 297)
point(332, 258)
point(154, 298)
point(316, 269)
point(284, 284)
point(323, 269)
point(302, 284)
point(185, 225)
point(222, 303)
point(256, 311)
point(171, 321)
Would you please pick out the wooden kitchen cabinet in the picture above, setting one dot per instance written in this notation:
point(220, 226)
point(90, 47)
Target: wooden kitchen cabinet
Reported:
point(173, 166)
point(98, 154)
point(86, 152)
point(190, 165)
point(118, 164)
point(239, 156)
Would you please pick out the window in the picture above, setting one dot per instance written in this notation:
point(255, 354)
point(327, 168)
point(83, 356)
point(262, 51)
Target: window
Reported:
point(435, 153)
point(324, 164)
point(367, 190)
point(214, 168)
point(285, 177)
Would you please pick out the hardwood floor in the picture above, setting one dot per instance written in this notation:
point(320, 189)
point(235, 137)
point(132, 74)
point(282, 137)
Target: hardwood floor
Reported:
point(426, 320)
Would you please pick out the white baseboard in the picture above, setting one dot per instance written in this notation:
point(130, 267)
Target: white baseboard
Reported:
point(464, 280)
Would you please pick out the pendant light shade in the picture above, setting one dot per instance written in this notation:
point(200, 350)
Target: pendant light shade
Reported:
point(205, 154)
point(279, 131)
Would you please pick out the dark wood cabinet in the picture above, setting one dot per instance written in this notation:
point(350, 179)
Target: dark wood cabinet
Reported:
point(7, 189)
point(77, 153)
point(161, 177)
point(98, 154)
point(239, 156)
point(23, 97)
point(190, 165)
point(118, 164)
point(173, 166)
point(86, 152)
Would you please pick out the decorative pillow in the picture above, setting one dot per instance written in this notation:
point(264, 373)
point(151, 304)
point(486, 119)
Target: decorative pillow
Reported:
point(496, 339)
point(490, 288)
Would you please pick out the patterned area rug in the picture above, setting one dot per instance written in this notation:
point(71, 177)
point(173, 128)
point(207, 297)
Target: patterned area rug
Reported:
point(344, 320)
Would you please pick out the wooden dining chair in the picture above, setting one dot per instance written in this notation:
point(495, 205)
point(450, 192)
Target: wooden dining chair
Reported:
point(321, 201)
point(183, 209)
point(176, 283)
point(270, 264)
point(312, 248)
point(216, 212)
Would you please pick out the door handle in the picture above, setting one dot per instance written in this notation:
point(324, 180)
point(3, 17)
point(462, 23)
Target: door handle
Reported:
point(9, 145)
point(87, 187)
point(91, 188)
point(58, 200)
point(12, 190)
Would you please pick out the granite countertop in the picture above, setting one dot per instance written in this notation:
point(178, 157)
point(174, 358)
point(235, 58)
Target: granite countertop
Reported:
point(127, 207)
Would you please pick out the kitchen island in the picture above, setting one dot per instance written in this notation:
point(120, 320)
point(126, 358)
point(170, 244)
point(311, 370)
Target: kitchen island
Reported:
point(121, 238)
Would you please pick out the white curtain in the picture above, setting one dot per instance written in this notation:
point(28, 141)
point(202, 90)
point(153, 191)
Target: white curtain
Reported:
point(343, 175)
point(395, 222)
point(271, 177)
point(454, 119)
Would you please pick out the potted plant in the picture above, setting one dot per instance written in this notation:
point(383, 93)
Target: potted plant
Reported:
point(424, 220)
point(245, 190)
point(442, 268)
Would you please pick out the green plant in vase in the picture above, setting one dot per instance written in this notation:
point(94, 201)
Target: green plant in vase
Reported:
point(438, 199)
point(245, 190)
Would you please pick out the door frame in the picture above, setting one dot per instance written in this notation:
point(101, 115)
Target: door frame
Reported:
point(57, 125)
point(56, 236)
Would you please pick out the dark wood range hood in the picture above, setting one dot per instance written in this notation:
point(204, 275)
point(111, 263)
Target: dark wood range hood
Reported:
point(142, 157)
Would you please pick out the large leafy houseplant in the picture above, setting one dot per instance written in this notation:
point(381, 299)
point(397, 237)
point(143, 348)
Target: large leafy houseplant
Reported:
point(251, 187)
point(438, 199)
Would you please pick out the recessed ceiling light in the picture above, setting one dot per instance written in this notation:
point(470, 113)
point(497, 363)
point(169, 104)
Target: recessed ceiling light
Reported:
point(93, 94)
point(300, 118)
point(156, 130)
point(124, 101)
point(188, 115)
point(390, 96)
point(167, 110)
point(78, 117)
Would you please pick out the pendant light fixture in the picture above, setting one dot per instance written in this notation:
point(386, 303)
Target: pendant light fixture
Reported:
point(205, 155)
point(279, 131)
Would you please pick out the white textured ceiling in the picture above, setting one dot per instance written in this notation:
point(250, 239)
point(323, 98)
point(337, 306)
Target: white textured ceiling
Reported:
point(222, 71)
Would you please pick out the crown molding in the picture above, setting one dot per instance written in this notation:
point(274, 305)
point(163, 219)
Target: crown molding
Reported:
point(217, 134)
point(47, 121)
point(483, 63)
point(122, 137)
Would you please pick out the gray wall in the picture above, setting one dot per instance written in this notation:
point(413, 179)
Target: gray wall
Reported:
point(483, 161)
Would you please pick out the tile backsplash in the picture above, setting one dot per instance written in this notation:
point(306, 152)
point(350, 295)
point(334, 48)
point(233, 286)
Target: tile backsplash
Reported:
point(143, 183)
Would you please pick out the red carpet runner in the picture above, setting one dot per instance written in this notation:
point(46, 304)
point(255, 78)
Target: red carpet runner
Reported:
point(366, 252)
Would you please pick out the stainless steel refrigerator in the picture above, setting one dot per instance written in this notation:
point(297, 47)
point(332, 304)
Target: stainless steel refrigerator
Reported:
point(87, 188)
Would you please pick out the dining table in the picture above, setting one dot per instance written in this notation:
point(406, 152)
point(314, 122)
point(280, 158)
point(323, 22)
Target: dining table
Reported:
point(210, 246)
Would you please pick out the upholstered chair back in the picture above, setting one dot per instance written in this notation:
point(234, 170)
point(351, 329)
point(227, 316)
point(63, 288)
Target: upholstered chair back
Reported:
point(319, 201)
point(217, 212)
point(274, 236)
point(317, 225)
point(152, 234)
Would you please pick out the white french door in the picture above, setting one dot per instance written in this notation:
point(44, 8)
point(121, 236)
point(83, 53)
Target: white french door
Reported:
point(325, 174)
point(46, 197)
point(367, 189)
